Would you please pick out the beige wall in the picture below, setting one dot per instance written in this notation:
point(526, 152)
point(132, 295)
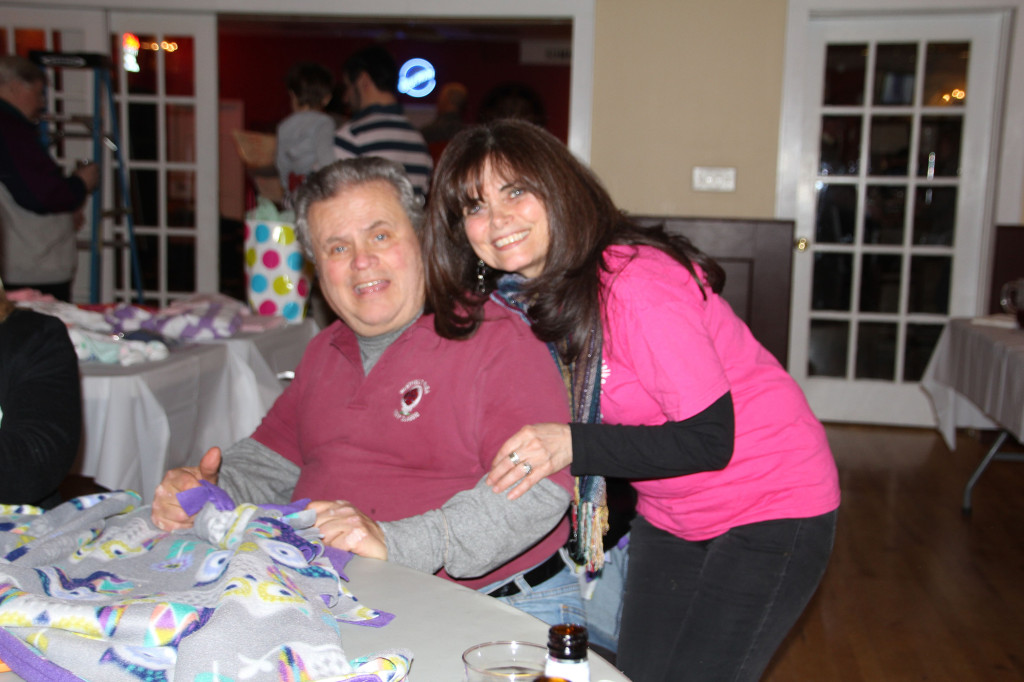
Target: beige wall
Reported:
point(679, 84)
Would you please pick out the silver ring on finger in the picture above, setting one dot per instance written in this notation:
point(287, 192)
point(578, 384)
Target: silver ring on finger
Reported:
point(527, 467)
point(514, 457)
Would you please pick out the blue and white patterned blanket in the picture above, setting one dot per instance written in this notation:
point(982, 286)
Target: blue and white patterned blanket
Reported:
point(93, 590)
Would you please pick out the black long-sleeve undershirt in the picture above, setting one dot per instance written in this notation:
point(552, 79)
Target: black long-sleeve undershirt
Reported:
point(704, 442)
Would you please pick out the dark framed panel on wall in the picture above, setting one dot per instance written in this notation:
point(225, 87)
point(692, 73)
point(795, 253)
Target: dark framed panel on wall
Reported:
point(757, 258)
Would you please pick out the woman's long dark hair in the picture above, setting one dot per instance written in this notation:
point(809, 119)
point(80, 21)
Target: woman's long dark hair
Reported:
point(583, 221)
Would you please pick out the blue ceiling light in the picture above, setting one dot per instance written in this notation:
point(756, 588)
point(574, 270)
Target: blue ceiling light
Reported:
point(416, 78)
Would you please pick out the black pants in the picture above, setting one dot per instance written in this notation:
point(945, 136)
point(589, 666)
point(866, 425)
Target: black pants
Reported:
point(717, 609)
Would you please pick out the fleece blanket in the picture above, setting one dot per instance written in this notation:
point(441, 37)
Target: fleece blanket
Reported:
point(92, 590)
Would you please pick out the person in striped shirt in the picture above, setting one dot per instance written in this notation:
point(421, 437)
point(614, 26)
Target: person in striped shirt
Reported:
point(378, 126)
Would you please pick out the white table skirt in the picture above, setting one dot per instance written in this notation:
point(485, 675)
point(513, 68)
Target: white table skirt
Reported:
point(144, 419)
point(975, 377)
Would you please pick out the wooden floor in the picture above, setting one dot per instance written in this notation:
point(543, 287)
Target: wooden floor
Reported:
point(915, 590)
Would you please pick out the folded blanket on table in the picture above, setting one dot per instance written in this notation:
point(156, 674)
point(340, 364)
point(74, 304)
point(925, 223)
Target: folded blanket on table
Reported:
point(202, 317)
point(92, 590)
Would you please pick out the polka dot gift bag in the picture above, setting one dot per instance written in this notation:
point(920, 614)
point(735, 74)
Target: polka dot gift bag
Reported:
point(278, 276)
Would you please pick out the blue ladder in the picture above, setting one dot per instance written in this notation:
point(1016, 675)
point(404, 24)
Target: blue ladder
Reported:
point(100, 65)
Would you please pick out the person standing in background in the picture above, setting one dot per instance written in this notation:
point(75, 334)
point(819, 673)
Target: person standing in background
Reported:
point(305, 137)
point(37, 200)
point(378, 126)
point(451, 108)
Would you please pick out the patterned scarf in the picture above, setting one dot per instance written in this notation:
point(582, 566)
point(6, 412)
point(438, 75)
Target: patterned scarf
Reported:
point(582, 378)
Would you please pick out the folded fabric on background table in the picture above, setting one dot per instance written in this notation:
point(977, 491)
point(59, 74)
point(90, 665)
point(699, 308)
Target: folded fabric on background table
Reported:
point(93, 590)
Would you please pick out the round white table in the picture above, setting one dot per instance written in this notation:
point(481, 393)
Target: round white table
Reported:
point(437, 620)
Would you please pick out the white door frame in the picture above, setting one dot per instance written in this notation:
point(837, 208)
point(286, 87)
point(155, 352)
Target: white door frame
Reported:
point(1004, 190)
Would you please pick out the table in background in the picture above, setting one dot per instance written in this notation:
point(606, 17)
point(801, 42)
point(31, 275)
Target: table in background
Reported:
point(143, 419)
point(976, 379)
point(437, 620)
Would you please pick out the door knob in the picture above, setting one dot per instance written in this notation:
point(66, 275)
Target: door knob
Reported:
point(802, 243)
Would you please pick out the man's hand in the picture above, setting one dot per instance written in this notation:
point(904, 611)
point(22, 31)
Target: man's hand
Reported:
point(345, 527)
point(167, 513)
point(90, 175)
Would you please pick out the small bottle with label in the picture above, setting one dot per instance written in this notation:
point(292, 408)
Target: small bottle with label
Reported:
point(567, 653)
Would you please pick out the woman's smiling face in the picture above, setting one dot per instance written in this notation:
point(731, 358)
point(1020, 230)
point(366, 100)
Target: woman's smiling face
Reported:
point(507, 225)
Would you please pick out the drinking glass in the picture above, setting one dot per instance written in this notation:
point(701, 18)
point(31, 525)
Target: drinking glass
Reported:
point(504, 662)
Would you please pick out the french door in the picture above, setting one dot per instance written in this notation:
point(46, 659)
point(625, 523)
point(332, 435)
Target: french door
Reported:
point(892, 206)
point(165, 83)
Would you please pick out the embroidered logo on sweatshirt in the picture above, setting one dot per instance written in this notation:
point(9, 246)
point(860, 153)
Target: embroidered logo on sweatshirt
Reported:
point(412, 393)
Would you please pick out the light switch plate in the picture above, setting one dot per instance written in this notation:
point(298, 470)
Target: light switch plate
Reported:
point(714, 179)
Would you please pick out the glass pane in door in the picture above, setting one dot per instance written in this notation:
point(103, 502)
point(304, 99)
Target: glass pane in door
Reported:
point(876, 350)
point(938, 151)
point(895, 74)
point(945, 78)
point(845, 69)
point(837, 213)
point(833, 281)
point(935, 215)
point(885, 214)
point(921, 340)
point(840, 145)
point(829, 348)
point(880, 283)
point(179, 65)
point(889, 145)
point(142, 80)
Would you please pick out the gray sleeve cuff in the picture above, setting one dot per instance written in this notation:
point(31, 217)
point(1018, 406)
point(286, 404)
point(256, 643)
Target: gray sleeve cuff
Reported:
point(476, 531)
point(252, 472)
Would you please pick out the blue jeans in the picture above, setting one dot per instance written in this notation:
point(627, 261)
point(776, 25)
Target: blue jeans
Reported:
point(717, 609)
point(556, 600)
point(603, 596)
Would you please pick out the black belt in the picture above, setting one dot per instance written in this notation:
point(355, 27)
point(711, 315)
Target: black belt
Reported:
point(535, 576)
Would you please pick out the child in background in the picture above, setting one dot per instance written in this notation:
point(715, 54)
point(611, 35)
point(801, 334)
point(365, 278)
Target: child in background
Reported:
point(305, 139)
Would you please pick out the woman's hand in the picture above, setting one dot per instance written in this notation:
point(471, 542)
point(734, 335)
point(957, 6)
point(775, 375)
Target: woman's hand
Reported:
point(534, 452)
point(345, 527)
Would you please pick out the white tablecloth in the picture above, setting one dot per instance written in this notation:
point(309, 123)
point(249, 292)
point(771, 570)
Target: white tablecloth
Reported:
point(144, 419)
point(975, 377)
point(437, 620)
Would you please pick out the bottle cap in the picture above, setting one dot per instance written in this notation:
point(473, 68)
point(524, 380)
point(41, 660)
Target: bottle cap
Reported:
point(567, 641)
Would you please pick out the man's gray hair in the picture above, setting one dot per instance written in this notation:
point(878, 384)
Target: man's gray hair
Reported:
point(15, 68)
point(330, 181)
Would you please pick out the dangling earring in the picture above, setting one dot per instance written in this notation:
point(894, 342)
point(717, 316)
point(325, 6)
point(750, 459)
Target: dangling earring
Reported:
point(481, 285)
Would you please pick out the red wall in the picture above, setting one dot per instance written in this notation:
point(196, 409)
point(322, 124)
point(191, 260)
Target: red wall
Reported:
point(253, 69)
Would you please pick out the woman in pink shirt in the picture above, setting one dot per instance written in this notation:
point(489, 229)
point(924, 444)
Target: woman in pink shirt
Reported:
point(736, 487)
